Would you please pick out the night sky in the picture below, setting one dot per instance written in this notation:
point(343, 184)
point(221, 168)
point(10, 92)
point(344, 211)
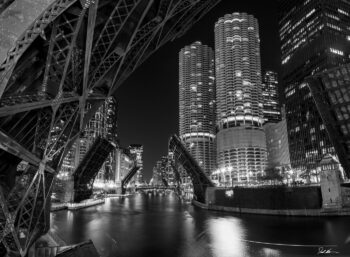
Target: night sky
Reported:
point(148, 100)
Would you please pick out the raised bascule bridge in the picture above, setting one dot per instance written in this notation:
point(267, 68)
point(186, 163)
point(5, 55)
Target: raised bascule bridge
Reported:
point(200, 180)
point(59, 61)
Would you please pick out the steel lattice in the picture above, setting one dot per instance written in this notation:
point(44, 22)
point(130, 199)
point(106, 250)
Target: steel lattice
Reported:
point(55, 71)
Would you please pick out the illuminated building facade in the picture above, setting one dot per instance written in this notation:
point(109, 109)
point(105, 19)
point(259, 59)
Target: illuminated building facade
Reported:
point(315, 36)
point(136, 150)
point(157, 178)
point(277, 144)
point(124, 163)
point(331, 93)
point(241, 145)
point(197, 103)
point(272, 109)
point(103, 124)
point(167, 169)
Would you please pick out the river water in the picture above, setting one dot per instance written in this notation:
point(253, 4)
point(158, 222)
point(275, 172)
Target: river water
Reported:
point(159, 224)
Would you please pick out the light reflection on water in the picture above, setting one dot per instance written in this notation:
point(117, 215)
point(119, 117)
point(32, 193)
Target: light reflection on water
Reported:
point(150, 225)
point(226, 236)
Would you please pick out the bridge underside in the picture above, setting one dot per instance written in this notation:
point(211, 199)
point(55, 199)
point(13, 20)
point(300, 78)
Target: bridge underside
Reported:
point(84, 175)
point(199, 179)
point(128, 177)
point(59, 60)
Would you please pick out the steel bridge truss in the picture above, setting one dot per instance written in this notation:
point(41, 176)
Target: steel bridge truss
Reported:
point(59, 61)
point(199, 179)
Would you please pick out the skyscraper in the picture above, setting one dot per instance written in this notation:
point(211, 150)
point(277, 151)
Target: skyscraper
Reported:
point(111, 109)
point(136, 150)
point(330, 91)
point(241, 145)
point(315, 36)
point(102, 124)
point(197, 103)
point(272, 109)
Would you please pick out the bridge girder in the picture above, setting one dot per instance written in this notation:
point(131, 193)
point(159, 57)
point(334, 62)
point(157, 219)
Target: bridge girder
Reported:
point(84, 175)
point(128, 177)
point(199, 179)
point(59, 60)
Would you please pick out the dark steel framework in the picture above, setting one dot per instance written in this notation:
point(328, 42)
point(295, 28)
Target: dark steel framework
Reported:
point(84, 175)
point(331, 92)
point(199, 179)
point(54, 63)
point(128, 177)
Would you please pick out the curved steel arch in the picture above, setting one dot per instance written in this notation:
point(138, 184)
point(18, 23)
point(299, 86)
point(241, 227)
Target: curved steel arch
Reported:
point(59, 60)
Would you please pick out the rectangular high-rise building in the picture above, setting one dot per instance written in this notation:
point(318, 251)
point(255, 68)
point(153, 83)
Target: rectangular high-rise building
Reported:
point(136, 150)
point(315, 36)
point(197, 103)
point(277, 145)
point(102, 124)
point(272, 108)
point(331, 93)
point(241, 143)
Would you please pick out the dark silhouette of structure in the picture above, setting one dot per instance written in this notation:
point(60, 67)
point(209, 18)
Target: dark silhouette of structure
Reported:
point(59, 61)
point(84, 175)
point(128, 177)
point(331, 93)
point(314, 38)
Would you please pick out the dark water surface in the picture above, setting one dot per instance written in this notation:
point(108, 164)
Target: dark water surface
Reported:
point(151, 225)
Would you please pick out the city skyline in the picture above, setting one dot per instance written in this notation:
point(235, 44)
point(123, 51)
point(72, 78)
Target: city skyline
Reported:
point(243, 112)
point(159, 116)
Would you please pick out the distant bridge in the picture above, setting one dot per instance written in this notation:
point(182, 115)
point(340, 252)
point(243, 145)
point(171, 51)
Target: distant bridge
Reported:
point(155, 187)
point(59, 61)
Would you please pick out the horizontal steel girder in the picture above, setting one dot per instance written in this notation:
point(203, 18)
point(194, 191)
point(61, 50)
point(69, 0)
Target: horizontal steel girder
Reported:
point(11, 146)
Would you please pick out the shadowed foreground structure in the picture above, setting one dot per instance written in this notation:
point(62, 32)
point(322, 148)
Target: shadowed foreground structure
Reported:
point(59, 61)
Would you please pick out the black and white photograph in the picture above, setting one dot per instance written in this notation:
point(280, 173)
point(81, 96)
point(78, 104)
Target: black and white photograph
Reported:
point(174, 128)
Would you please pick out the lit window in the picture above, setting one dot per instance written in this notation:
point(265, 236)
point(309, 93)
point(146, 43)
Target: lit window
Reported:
point(336, 51)
point(311, 12)
point(285, 60)
point(343, 12)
